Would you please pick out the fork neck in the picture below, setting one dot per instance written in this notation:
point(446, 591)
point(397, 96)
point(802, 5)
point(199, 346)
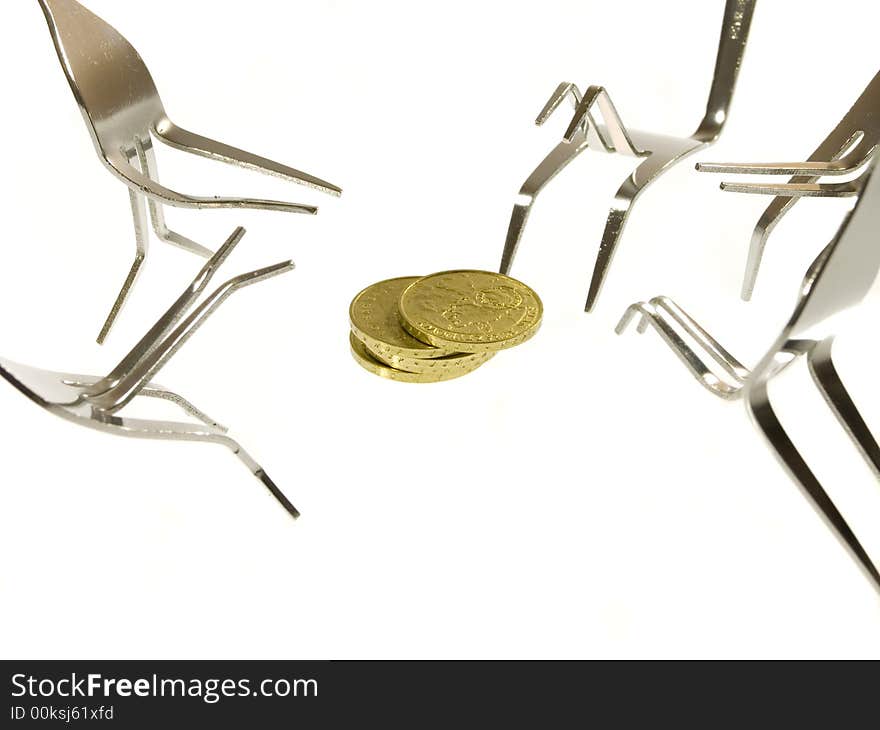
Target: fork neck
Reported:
point(731, 48)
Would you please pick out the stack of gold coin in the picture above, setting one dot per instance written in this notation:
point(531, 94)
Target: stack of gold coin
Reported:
point(439, 327)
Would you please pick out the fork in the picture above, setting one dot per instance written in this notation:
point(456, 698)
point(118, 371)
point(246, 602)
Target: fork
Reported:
point(846, 149)
point(657, 153)
point(94, 402)
point(123, 112)
point(838, 280)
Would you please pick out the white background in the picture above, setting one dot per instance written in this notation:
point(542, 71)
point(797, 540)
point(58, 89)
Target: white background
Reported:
point(580, 496)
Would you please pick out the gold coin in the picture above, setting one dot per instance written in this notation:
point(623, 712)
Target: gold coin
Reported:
point(460, 361)
point(368, 362)
point(470, 311)
point(375, 320)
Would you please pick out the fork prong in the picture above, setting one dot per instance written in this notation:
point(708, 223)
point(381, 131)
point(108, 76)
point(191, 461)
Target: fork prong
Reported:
point(276, 492)
point(261, 474)
point(147, 367)
point(141, 239)
point(826, 377)
point(146, 156)
point(518, 219)
point(812, 168)
point(153, 390)
point(619, 139)
point(758, 243)
point(197, 144)
point(122, 297)
point(640, 308)
point(662, 313)
point(566, 89)
point(833, 147)
point(556, 161)
point(139, 182)
point(171, 317)
point(796, 190)
point(581, 114)
point(764, 416)
point(733, 367)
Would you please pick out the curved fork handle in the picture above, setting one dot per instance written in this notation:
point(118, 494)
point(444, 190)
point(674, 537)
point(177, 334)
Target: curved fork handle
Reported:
point(731, 49)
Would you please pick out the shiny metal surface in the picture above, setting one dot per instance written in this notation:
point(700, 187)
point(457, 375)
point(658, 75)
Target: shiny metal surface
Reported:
point(837, 280)
point(124, 113)
point(848, 147)
point(94, 402)
point(657, 153)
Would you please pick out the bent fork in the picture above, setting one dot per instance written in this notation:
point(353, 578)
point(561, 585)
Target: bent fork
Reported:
point(657, 152)
point(94, 402)
point(124, 113)
point(838, 280)
point(844, 151)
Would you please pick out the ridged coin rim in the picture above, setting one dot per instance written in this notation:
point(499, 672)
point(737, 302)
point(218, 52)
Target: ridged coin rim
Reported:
point(388, 350)
point(466, 361)
point(369, 363)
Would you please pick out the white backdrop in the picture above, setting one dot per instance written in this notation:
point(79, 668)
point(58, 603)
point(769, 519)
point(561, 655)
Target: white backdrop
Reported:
point(580, 496)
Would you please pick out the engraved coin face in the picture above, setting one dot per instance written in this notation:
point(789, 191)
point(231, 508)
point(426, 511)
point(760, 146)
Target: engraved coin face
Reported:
point(470, 311)
point(368, 362)
point(376, 322)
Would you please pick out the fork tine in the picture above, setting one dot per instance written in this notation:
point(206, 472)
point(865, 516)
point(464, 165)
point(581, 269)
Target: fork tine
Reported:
point(146, 156)
point(713, 348)
point(631, 188)
point(811, 168)
point(556, 161)
point(142, 183)
point(565, 89)
point(765, 418)
point(826, 377)
point(796, 190)
point(274, 490)
point(620, 140)
point(177, 431)
point(261, 474)
point(141, 238)
point(121, 298)
point(836, 144)
point(518, 219)
point(196, 144)
point(850, 148)
point(763, 228)
point(170, 318)
point(153, 390)
point(641, 308)
point(128, 387)
point(695, 363)
point(607, 248)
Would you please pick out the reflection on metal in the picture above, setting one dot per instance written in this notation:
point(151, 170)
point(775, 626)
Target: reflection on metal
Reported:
point(657, 153)
point(124, 114)
point(848, 147)
point(94, 402)
point(838, 280)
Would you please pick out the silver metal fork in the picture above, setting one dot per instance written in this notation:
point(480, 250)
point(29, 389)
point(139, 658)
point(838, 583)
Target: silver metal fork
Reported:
point(94, 402)
point(838, 280)
point(657, 152)
point(123, 112)
point(848, 147)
